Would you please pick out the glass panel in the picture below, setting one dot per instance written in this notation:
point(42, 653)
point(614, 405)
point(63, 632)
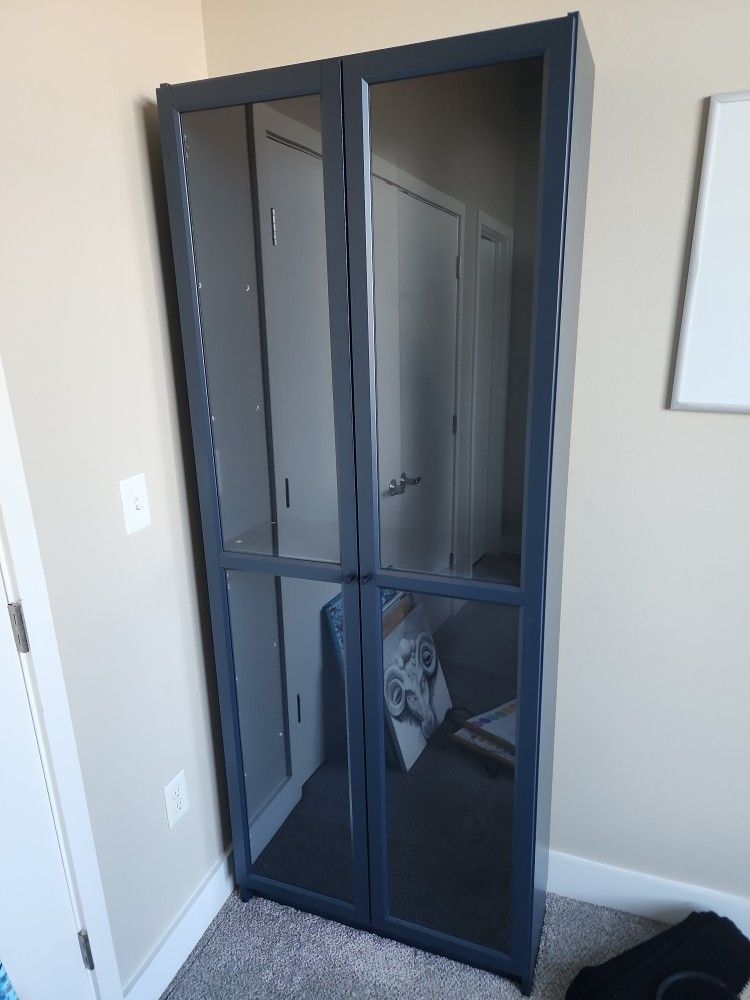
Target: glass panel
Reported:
point(288, 644)
point(449, 685)
point(454, 186)
point(255, 178)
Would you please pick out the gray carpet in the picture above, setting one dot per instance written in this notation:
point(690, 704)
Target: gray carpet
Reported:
point(263, 951)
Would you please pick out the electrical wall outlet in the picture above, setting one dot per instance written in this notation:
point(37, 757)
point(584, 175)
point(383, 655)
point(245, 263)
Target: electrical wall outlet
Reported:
point(176, 798)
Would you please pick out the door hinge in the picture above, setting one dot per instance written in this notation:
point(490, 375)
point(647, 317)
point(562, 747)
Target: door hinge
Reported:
point(86, 953)
point(455, 422)
point(450, 561)
point(18, 624)
point(274, 234)
point(459, 266)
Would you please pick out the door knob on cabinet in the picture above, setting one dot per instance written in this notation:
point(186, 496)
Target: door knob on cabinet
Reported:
point(406, 481)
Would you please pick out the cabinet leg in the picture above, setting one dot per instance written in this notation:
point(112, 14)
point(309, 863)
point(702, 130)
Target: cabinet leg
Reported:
point(245, 894)
point(526, 986)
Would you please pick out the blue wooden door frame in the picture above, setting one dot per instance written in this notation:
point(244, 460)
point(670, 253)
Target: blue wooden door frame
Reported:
point(343, 87)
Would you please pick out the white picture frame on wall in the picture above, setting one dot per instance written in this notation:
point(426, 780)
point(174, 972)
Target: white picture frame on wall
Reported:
point(712, 371)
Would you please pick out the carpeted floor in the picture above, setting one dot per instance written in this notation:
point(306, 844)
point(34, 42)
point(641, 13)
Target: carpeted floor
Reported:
point(263, 951)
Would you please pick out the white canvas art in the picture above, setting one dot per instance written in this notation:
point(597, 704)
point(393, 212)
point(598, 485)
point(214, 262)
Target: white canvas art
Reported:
point(416, 695)
point(713, 360)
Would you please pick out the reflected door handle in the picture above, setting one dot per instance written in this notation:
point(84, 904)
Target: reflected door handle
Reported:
point(398, 486)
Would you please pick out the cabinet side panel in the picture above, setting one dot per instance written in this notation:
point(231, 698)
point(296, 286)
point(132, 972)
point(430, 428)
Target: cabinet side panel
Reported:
point(583, 90)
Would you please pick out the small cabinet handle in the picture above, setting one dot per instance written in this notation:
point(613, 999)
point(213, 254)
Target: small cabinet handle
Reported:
point(350, 578)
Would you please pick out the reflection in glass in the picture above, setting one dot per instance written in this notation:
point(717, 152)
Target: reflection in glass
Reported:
point(287, 640)
point(449, 688)
point(454, 188)
point(255, 179)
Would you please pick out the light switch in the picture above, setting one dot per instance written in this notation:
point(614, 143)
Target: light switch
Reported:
point(135, 507)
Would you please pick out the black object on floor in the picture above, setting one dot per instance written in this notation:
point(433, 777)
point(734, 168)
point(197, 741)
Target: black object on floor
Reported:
point(684, 985)
point(703, 958)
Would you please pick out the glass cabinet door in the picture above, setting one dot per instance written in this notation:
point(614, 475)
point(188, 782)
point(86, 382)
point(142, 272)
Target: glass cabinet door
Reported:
point(264, 197)
point(446, 151)
point(453, 173)
point(450, 694)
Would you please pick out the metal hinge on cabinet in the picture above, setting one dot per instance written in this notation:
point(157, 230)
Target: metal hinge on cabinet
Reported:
point(18, 624)
point(86, 953)
point(459, 266)
point(450, 561)
point(274, 234)
point(455, 422)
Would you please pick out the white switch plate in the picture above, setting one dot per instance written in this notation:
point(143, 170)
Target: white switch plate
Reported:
point(176, 798)
point(135, 506)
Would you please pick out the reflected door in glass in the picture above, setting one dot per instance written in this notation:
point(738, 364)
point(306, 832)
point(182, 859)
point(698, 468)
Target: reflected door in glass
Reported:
point(454, 210)
point(255, 180)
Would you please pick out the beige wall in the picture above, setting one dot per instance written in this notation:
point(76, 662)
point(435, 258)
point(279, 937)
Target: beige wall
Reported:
point(85, 346)
point(653, 749)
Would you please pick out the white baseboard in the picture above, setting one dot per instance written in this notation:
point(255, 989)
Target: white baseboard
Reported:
point(161, 966)
point(637, 892)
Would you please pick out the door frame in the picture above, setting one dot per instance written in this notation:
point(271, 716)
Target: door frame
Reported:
point(553, 41)
point(502, 236)
point(23, 575)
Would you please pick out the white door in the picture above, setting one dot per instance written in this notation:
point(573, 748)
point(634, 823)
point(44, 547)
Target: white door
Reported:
point(298, 345)
point(298, 340)
point(38, 933)
point(416, 245)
